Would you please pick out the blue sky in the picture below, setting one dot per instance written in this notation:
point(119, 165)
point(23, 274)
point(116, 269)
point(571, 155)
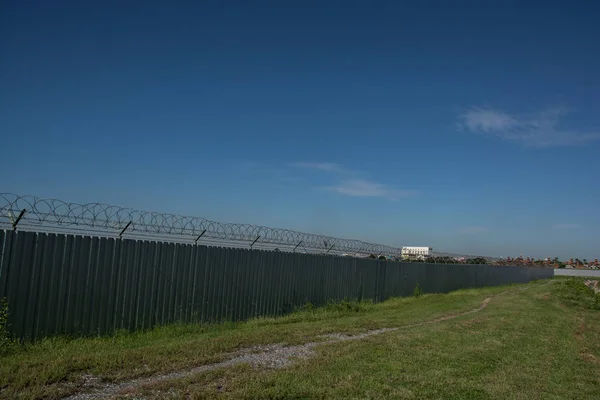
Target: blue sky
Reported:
point(467, 126)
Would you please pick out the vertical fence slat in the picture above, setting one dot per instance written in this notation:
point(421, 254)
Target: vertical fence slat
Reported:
point(201, 279)
point(19, 287)
point(95, 286)
point(5, 253)
point(34, 282)
point(44, 288)
point(190, 284)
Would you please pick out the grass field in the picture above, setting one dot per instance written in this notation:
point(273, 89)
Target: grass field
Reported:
point(542, 342)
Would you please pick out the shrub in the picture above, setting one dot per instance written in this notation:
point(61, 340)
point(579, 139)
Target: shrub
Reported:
point(346, 306)
point(307, 307)
point(575, 292)
point(7, 344)
point(417, 292)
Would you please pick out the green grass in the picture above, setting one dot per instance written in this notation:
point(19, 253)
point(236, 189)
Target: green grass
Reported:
point(539, 343)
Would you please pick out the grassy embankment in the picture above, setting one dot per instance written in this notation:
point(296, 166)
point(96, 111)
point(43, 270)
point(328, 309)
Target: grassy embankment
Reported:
point(543, 342)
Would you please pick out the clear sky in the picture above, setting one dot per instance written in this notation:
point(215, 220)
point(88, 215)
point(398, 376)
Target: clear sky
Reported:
point(467, 126)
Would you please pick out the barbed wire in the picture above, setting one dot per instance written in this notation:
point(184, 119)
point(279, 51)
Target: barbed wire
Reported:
point(97, 218)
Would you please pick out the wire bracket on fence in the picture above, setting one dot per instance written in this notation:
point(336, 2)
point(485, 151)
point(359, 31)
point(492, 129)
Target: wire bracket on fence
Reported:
point(124, 229)
point(329, 248)
point(198, 238)
point(299, 243)
point(255, 240)
point(16, 222)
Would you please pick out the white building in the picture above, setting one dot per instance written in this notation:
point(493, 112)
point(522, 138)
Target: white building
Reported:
point(416, 252)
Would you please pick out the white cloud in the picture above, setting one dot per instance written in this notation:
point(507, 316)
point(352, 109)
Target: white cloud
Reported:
point(322, 166)
point(538, 130)
point(355, 186)
point(363, 188)
point(566, 226)
point(469, 230)
point(477, 119)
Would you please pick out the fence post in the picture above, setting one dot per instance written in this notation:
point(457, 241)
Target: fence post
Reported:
point(198, 238)
point(124, 229)
point(16, 222)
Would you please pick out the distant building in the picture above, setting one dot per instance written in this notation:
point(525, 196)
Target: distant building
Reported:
point(416, 252)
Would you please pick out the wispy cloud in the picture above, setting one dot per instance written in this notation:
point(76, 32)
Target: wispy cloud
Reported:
point(566, 226)
point(540, 129)
point(470, 230)
point(364, 188)
point(354, 183)
point(321, 166)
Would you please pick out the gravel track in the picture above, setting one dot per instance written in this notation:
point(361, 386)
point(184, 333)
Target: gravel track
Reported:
point(273, 356)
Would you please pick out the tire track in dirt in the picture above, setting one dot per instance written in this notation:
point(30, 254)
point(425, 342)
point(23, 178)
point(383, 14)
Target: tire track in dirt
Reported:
point(273, 356)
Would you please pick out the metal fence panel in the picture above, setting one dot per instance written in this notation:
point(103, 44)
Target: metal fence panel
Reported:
point(81, 285)
point(577, 272)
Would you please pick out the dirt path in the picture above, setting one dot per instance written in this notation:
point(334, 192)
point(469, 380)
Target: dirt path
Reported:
point(267, 356)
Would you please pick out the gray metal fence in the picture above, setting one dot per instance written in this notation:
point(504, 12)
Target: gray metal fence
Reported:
point(82, 285)
point(584, 273)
